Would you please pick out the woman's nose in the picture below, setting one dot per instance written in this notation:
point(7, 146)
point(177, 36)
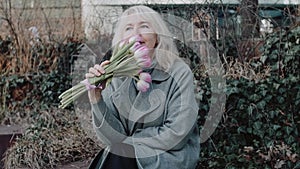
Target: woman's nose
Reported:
point(136, 31)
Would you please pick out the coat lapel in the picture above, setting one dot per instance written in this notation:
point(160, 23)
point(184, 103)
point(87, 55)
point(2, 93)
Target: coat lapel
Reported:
point(122, 101)
point(149, 104)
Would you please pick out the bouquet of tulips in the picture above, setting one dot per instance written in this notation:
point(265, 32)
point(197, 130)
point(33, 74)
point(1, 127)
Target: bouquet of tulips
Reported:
point(129, 58)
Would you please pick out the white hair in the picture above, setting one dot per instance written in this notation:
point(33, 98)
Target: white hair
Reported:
point(165, 52)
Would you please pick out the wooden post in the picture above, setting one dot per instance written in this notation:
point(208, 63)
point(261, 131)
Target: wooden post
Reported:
point(248, 11)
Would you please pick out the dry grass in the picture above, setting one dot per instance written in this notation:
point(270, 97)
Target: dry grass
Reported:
point(54, 137)
point(33, 34)
point(236, 69)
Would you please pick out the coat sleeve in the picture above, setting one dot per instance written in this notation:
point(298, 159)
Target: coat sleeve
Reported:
point(106, 121)
point(180, 122)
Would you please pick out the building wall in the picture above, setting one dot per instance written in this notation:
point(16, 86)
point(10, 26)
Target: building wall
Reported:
point(93, 17)
point(130, 2)
point(99, 16)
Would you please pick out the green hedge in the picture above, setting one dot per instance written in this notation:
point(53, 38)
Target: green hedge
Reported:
point(261, 123)
point(40, 85)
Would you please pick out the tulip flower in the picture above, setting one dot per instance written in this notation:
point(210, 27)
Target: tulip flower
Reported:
point(145, 77)
point(144, 62)
point(136, 38)
point(129, 58)
point(142, 85)
point(135, 46)
point(141, 52)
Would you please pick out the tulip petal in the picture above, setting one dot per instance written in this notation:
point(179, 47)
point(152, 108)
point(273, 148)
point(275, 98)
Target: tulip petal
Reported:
point(136, 38)
point(142, 85)
point(144, 63)
point(145, 77)
point(141, 52)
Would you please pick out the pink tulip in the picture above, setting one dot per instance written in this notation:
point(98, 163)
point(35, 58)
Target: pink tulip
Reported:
point(135, 46)
point(143, 51)
point(136, 38)
point(144, 63)
point(145, 77)
point(142, 85)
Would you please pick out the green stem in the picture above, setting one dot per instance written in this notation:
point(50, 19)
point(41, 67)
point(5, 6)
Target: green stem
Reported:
point(121, 52)
point(127, 72)
point(74, 88)
point(124, 63)
point(65, 103)
point(72, 93)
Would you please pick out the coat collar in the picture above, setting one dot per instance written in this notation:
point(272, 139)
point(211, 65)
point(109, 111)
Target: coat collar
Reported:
point(157, 72)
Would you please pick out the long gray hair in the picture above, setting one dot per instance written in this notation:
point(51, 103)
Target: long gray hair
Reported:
point(165, 52)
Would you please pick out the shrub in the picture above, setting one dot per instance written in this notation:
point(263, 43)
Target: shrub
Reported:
point(260, 126)
point(51, 136)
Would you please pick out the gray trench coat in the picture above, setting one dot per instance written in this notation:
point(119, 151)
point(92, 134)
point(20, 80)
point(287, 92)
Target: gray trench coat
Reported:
point(161, 124)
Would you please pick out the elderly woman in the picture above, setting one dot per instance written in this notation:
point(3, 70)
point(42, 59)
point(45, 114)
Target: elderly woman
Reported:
point(156, 129)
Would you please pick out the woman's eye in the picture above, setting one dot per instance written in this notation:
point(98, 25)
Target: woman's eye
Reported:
point(128, 28)
point(144, 26)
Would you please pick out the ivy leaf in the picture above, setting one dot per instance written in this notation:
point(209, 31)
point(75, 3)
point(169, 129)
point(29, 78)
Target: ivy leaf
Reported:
point(276, 127)
point(257, 125)
point(263, 58)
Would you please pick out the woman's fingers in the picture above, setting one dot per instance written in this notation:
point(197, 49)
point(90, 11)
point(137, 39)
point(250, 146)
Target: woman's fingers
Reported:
point(106, 62)
point(94, 71)
point(89, 75)
point(97, 70)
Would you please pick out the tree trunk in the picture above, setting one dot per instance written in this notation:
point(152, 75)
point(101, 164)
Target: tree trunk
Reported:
point(249, 29)
point(250, 20)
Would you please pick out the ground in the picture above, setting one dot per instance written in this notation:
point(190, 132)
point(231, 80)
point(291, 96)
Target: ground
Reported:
point(74, 165)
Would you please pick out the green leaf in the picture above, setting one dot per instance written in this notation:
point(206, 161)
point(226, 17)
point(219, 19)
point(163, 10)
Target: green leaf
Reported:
point(241, 129)
point(288, 130)
point(254, 97)
point(297, 166)
point(279, 134)
point(261, 105)
point(257, 125)
point(263, 58)
point(249, 130)
point(280, 99)
point(231, 90)
point(290, 140)
point(276, 85)
point(250, 110)
point(276, 127)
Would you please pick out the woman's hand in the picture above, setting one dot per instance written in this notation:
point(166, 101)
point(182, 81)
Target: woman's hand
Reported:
point(97, 70)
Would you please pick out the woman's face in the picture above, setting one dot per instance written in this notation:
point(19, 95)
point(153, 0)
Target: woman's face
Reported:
point(135, 25)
